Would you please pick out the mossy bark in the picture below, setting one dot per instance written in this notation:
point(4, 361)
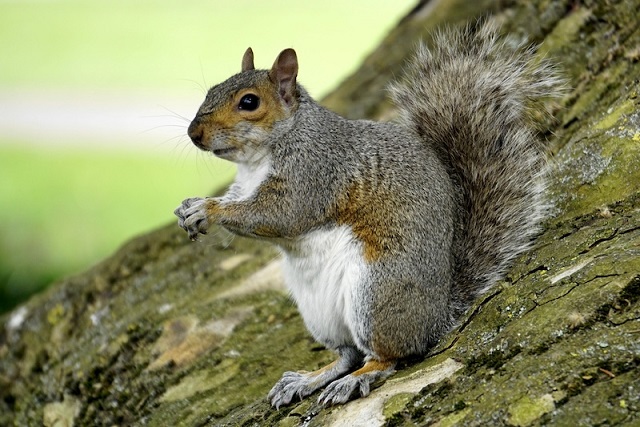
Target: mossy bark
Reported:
point(168, 332)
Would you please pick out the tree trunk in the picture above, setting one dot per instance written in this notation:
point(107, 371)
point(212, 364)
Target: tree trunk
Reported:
point(169, 332)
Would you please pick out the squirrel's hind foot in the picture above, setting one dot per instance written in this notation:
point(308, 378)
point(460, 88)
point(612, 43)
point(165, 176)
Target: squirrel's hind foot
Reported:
point(356, 384)
point(302, 384)
point(292, 385)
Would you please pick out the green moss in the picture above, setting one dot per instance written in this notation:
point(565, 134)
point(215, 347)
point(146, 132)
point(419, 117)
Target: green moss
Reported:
point(565, 31)
point(55, 314)
point(454, 419)
point(615, 114)
point(395, 404)
point(601, 170)
point(200, 381)
point(61, 414)
point(289, 422)
point(526, 410)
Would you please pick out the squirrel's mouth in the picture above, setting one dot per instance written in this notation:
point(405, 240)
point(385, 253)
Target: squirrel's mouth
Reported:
point(222, 152)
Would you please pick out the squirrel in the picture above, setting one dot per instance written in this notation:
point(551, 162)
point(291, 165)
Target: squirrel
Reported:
point(388, 231)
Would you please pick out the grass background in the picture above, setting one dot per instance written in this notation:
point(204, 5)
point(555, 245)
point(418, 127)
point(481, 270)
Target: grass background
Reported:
point(74, 187)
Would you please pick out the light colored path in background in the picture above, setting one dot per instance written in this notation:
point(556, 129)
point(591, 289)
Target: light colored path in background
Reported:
point(137, 121)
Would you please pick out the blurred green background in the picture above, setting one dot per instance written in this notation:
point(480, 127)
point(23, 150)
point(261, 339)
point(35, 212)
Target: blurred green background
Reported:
point(95, 98)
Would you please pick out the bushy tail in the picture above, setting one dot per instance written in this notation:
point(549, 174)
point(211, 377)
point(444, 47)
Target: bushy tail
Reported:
point(474, 98)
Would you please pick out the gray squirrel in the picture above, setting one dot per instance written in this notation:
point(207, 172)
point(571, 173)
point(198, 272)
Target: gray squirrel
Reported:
point(388, 231)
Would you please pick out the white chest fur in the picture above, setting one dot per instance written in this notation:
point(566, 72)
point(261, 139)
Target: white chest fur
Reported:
point(249, 176)
point(322, 272)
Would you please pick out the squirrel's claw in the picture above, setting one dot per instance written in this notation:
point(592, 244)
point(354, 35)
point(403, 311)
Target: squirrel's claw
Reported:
point(290, 386)
point(344, 389)
point(192, 217)
point(357, 384)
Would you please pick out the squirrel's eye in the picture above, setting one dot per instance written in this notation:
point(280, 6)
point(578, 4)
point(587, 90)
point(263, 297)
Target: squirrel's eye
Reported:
point(249, 102)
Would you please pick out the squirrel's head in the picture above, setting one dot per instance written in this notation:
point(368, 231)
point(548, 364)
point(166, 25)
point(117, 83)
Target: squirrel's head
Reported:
point(239, 114)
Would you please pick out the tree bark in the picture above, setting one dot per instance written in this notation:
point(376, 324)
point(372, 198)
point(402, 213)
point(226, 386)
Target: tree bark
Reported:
point(168, 332)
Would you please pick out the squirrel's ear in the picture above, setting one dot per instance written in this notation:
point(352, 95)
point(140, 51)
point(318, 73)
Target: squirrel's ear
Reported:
point(284, 73)
point(247, 60)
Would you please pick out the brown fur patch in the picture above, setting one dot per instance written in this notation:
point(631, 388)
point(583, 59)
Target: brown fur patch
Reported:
point(213, 209)
point(229, 115)
point(266, 231)
point(369, 216)
point(373, 366)
point(323, 369)
point(235, 214)
point(383, 351)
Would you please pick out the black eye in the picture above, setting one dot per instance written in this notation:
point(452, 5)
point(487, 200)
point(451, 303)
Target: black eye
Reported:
point(249, 102)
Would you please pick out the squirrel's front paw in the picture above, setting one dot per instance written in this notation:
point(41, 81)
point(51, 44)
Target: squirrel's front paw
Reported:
point(192, 216)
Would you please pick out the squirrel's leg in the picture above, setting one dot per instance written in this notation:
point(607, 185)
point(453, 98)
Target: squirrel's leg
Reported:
point(196, 215)
point(356, 383)
point(263, 215)
point(302, 384)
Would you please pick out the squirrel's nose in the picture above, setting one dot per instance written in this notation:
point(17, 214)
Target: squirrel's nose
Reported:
point(195, 132)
